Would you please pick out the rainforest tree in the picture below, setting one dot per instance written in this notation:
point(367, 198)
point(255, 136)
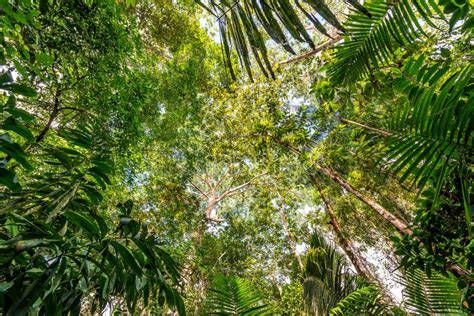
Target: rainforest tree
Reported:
point(142, 172)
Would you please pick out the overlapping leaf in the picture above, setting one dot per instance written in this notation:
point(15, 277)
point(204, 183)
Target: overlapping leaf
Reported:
point(233, 296)
point(435, 295)
point(434, 128)
point(372, 41)
point(239, 23)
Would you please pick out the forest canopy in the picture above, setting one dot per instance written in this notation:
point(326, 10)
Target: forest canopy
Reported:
point(248, 157)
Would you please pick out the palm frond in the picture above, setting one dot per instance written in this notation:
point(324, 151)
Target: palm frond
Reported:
point(327, 278)
point(435, 295)
point(371, 41)
point(233, 296)
point(434, 128)
point(239, 23)
point(364, 301)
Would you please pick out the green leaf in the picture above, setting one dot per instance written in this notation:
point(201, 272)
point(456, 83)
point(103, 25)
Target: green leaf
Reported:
point(9, 179)
point(127, 257)
point(11, 124)
point(20, 113)
point(44, 59)
point(83, 221)
point(19, 89)
point(5, 286)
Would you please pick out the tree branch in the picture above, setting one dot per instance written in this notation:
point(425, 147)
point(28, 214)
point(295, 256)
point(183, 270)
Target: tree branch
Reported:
point(318, 49)
point(235, 190)
point(52, 116)
point(199, 190)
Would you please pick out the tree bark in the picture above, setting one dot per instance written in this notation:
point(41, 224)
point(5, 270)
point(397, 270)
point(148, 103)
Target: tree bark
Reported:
point(398, 223)
point(357, 260)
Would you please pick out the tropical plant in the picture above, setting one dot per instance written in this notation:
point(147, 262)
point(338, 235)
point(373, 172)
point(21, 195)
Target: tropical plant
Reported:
point(363, 301)
point(63, 249)
point(234, 296)
point(57, 242)
point(430, 295)
point(329, 285)
point(372, 41)
point(238, 25)
point(433, 130)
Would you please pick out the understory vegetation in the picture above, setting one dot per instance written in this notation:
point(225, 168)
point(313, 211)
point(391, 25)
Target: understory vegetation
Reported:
point(249, 157)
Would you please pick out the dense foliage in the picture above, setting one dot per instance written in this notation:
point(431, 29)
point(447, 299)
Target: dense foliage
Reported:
point(142, 172)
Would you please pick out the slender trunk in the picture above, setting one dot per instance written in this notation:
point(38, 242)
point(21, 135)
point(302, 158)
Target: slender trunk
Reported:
point(359, 263)
point(291, 239)
point(398, 223)
point(372, 129)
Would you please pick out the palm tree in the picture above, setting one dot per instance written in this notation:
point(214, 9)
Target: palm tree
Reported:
point(328, 281)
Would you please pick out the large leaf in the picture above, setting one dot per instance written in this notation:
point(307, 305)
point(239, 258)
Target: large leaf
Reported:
point(434, 129)
point(239, 21)
point(435, 295)
point(372, 41)
point(233, 296)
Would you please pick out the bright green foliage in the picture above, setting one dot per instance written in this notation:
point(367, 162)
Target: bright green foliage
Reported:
point(434, 128)
point(291, 299)
point(78, 254)
point(63, 250)
point(104, 102)
point(365, 300)
point(233, 296)
point(372, 41)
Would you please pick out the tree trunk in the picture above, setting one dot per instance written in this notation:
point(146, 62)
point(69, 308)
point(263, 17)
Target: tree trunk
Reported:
point(398, 223)
point(372, 129)
point(359, 263)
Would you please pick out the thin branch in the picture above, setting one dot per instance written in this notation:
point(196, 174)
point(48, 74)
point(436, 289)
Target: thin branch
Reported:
point(219, 182)
point(206, 180)
point(235, 190)
point(199, 190)
point(52, 116)
point(72, 108)
point(318, 49)
point(213, 219)
point(230, 8)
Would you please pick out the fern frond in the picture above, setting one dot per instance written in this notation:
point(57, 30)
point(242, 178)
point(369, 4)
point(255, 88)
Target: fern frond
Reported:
point(435, 295)
point(371, 41)
point(233, 296)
